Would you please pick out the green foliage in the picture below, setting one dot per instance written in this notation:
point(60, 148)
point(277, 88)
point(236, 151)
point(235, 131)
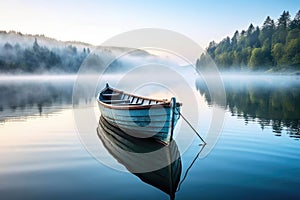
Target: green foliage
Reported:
point(274, 45)
point(38, 58)
point(277, 53)
point(256, 58)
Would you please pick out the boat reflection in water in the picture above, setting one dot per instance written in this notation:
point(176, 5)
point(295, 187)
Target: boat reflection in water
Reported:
point(154, 163)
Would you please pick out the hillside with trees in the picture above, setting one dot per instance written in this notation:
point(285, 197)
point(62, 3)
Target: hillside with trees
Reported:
point(26, 53)
point(273, 47)
point(17, 55)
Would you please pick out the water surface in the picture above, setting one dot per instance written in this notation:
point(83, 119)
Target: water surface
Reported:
point(256, 157)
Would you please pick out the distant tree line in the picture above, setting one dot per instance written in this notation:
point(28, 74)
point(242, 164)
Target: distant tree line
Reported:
point(37, 59)
point(276, 45)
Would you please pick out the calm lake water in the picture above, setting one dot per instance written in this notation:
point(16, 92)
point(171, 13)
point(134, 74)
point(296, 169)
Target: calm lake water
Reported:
point(257, 155)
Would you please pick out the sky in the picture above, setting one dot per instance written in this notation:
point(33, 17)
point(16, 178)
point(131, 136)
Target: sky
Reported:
point(96, 21)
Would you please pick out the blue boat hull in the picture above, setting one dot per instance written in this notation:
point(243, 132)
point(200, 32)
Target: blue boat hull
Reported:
point(138, 116)
point(143, 123)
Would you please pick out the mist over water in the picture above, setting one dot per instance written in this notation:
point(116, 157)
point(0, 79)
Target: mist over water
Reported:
point(34, 95)
point(270, 100)
point(264, 99)
point(39, 139)
point(240, 94)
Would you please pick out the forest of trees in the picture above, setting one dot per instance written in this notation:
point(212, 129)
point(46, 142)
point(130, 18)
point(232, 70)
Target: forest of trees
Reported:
point(37, 54)
point(38, 59)
point(275, 46)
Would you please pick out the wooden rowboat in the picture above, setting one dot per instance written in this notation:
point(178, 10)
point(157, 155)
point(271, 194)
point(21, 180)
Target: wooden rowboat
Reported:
point(135, 154)
point(139, 116)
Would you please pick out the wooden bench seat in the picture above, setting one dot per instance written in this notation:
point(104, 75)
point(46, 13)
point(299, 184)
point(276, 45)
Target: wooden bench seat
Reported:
point(111, 94)
point(129, 104)
point(115, 101)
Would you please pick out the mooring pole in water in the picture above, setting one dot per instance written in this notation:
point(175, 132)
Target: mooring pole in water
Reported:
point(191, 126)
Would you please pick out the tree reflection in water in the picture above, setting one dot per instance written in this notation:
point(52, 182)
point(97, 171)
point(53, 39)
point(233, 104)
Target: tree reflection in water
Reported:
point(270, 101)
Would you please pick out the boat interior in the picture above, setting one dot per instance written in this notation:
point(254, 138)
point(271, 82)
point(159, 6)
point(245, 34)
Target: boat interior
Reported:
point(116, 97)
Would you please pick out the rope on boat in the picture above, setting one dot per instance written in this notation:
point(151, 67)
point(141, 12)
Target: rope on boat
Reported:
point(185, 119)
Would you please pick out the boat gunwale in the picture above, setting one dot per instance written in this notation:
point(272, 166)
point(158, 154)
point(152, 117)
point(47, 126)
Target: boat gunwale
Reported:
point(134, 107)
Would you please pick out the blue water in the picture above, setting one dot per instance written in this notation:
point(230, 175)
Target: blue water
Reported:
point(257, 155)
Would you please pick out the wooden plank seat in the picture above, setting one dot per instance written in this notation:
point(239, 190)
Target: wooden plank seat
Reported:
point(129, 104)
point(116, 101)
point(111, 94)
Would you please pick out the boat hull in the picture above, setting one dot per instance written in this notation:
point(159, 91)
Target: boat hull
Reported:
point(139, 116)
point(150, 122)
